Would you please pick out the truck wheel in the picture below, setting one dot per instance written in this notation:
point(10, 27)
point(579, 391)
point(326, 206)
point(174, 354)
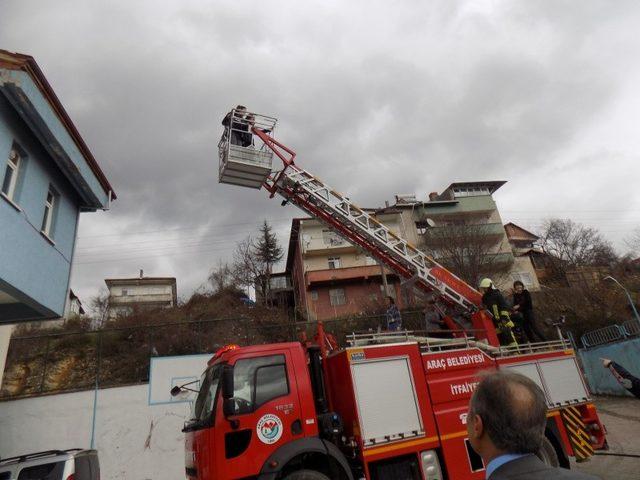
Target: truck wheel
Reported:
point(548, 454)
point(306, 475)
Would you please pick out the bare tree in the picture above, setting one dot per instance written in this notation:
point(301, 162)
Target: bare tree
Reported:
point(99, 304)
point(253, 261)
point(469, 251)
point(569, 245)
point(246, 266)
point(633, 241)
point(222, 277)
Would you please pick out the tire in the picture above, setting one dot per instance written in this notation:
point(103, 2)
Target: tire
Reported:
point(548, 454)
point(306, 475)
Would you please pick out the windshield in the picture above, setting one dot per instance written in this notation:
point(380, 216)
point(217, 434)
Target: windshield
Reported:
point(205, 403)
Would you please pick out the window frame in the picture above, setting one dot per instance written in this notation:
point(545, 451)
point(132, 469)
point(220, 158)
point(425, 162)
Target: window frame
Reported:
point(13, 165)
point(50, 208)
point(343, 296)
point(256, 406)
point(205, 380)
point(278, 362)
point(334, 263)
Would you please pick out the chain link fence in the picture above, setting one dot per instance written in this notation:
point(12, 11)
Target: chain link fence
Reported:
point(72, 361)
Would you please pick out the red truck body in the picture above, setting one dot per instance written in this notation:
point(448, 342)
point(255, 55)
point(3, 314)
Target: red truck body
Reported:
point(400, 407)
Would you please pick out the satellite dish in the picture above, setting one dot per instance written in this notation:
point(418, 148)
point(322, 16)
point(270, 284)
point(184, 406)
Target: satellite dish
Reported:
point(430, 223)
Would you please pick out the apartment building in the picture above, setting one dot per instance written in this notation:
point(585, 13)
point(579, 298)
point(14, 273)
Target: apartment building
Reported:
point(331, 277)
point(128, 294)
point(460, 227)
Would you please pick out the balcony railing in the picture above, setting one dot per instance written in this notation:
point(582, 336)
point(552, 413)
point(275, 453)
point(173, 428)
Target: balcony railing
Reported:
point(473, 230)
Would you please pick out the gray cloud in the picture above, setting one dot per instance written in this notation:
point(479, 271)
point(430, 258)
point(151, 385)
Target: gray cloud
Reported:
point(377, 98)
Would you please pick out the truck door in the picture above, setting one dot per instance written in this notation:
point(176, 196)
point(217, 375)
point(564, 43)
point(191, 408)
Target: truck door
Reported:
point(267, 413)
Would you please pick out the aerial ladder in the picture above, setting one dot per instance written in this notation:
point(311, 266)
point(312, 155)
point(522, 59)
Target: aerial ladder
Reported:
point(246, 152)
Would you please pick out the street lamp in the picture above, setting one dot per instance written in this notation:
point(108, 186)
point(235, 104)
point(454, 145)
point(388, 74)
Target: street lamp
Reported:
point(635, 312)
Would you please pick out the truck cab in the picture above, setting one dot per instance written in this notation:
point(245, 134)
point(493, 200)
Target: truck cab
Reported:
point(253, 399)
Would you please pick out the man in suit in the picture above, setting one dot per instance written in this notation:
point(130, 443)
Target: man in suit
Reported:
point(506, 422)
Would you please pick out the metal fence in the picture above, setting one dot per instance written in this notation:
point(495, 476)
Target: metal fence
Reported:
point(611, 333)
point(70, 361)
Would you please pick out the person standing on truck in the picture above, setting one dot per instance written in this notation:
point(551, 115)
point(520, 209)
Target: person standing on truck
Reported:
point(505, 423)
point(625, 378)
point(434, 319)
point(523, 307)
point(493, 301)
point(394, 319)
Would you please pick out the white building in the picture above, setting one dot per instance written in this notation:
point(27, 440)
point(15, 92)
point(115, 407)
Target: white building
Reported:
point(125, 294)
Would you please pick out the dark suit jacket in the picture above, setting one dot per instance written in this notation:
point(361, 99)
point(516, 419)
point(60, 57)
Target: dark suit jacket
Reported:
point(532, 468)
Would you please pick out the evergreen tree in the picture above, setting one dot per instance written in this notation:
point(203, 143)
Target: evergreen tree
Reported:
point(268, 252)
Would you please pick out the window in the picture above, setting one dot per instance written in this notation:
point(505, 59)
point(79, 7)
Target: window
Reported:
point(259, 380)
point(11, 174)
point(206, 400)
point(337, 296)
point(524, 277)
point(331, 238)
point(49, 211)
point(314, 295)
point(271, 382)
point(125, 292)
point(46, 471)
point(334, 262)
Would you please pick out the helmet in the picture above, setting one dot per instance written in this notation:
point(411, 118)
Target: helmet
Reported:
point(486, 283)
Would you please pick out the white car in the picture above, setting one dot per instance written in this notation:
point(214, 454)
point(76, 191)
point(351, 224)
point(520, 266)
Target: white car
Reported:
point(72, 464)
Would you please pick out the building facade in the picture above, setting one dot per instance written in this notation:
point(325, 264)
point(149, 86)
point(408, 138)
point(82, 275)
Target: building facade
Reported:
point(47, 177)
point(462, 229)
point(331, 277)
point(530, 261)
point(145, 293)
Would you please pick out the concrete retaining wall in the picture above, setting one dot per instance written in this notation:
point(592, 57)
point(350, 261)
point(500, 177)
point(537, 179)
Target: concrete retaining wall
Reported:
point(600, 379)
point(134, 440)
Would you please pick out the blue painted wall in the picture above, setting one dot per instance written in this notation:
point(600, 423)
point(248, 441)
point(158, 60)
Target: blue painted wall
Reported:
point(31, 94)
point(600, 379)
point(28, 262)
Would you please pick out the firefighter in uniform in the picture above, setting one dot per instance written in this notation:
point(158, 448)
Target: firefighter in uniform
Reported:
point(493, 301)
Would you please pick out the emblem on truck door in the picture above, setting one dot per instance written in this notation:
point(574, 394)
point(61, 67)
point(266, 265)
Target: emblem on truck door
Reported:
point(269, 428)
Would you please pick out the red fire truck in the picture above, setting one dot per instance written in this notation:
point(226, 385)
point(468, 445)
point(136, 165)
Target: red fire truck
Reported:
point(388, 405)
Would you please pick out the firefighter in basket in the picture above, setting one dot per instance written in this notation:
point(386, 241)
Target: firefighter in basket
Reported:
point(493, 301)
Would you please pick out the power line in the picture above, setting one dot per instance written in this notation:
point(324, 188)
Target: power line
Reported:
point(128, 233)
point(137, 257)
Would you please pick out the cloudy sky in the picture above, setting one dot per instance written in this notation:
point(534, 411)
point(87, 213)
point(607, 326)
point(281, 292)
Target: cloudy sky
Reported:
point(376, 97)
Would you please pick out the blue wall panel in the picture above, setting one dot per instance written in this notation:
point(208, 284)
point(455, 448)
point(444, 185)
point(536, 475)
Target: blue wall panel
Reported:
point(600, 379)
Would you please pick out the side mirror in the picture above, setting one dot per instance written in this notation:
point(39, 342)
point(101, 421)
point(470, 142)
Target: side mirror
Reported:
point(227, 382)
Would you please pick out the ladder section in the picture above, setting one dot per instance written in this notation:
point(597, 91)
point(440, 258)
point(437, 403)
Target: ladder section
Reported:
point(319, 200)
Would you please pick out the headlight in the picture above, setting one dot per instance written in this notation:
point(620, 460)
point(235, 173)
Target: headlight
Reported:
point(431, 465)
